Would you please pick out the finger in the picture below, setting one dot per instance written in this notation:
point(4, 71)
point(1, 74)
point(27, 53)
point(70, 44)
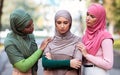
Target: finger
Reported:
point(76, 67)
point(79, 46)
point(47, 40)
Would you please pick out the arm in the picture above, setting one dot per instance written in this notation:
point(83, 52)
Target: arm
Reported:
point(25, 64)
point(106, 61)
point(77, 55)
point(55, 64)
point(60, 64)
point(18, 60)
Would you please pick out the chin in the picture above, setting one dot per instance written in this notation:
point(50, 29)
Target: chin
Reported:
point(88, 25)
point(29, 33)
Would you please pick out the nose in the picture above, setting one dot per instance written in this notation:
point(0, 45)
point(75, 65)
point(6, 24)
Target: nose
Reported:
point(62, 25)
point(88, 17)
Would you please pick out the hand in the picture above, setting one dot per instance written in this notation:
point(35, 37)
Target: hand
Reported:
point(82, 48)
point(48, 55)
point(74, 63)
point(44, 43)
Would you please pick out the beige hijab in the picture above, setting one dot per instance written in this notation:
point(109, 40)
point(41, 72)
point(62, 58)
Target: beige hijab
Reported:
point(63, 44)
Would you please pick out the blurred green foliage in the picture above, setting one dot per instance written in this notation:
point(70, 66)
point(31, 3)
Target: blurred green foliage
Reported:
point(116, 44)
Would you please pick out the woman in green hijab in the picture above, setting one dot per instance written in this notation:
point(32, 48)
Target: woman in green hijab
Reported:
point(20, 44)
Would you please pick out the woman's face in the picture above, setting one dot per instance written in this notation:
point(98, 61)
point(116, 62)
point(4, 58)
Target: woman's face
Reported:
point(29, 28)
point(62, 25)
point(90, 19)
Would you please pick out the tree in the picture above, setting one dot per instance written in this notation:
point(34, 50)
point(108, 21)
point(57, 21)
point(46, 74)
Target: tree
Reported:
point(1, 6)
point(10, 5)
point(117, 13)
point(113, 13)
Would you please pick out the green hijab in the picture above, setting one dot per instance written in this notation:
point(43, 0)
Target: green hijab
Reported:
point(24, 44)
point(18, 20)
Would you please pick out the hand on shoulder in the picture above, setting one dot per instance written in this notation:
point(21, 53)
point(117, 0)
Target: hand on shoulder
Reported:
point(45, 42)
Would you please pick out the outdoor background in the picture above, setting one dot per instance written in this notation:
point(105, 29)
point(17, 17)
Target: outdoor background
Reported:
point(42, 13)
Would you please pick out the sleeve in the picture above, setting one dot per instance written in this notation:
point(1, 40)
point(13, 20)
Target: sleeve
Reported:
point(106, 60)
point(13, 54)
point(47, 49)
point(77, 53)
point(55, 64)
point(25, 64)
point(20, 62)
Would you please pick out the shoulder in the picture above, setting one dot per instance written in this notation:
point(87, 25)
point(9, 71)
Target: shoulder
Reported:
point(78, 38)
point(107, 41)
point(9, 39)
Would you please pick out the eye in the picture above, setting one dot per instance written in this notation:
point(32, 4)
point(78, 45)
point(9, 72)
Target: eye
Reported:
point(28, 26)
point(92, 16)
point(65, 22)
point(58, 22)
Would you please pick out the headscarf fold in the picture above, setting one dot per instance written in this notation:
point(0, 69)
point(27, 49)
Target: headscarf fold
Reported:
point(96, 33)
point(18, 20)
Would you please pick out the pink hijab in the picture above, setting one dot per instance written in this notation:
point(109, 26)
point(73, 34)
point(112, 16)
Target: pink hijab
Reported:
point(97, 33)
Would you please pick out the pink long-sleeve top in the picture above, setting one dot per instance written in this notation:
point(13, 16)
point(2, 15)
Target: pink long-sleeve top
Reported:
point(104, 56)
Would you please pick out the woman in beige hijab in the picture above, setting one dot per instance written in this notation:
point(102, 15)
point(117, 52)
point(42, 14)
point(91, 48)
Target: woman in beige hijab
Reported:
point(64, 58)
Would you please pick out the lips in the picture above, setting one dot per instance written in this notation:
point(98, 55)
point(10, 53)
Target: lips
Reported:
point(62, 30)
point(87, 22)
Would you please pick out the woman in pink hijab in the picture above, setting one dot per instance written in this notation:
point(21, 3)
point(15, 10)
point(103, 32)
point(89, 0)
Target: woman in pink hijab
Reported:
point(97, 47)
